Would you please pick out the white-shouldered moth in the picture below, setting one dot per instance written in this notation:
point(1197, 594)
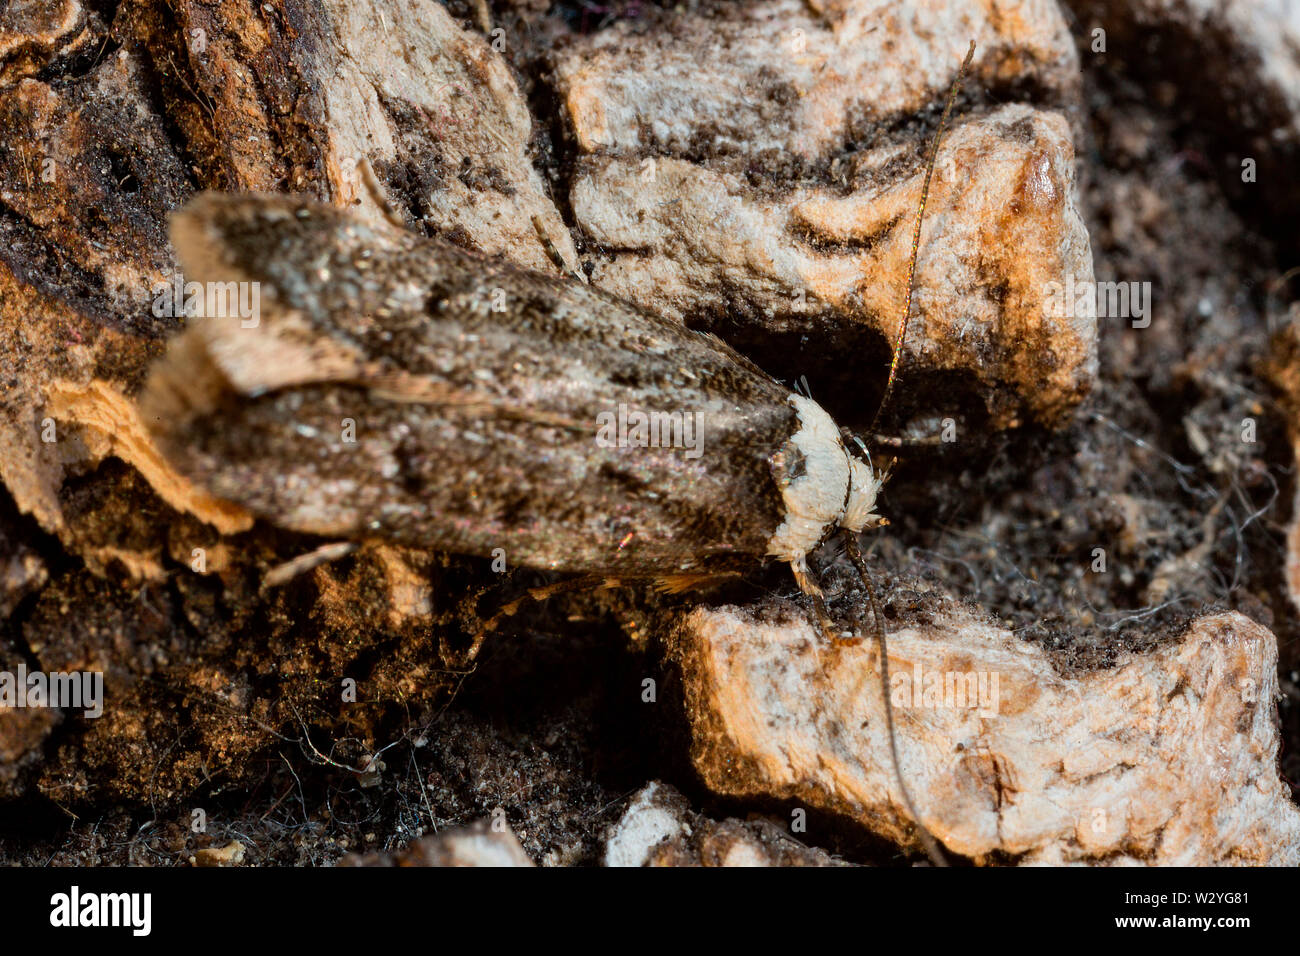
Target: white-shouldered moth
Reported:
point(476, 389)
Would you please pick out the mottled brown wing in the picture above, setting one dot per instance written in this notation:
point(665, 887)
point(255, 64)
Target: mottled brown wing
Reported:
point(400, 387)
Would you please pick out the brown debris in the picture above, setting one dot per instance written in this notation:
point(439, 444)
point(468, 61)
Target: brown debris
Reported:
point(232, 854)
point(112, 426)
point(22, 571)
point(1283, 369)
point(34, 32)
point(23, 731)
point(83, 199)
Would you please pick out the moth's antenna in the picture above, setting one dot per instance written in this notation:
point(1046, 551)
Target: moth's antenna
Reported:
point(851, 546)
point(916, 236)
point(927, 839)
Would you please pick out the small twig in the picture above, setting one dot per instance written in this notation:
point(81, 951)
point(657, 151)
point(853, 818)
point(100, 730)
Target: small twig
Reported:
point(282, 573)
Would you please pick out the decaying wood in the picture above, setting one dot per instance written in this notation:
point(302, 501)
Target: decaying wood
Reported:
point(1167, 758)
point(815, 258)
point(342, 104)
point(782, 203)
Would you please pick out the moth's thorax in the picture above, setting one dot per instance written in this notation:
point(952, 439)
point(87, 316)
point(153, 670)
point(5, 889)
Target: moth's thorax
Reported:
point(821, 484)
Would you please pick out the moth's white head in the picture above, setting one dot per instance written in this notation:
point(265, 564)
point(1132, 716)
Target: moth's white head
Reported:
point(822, 485)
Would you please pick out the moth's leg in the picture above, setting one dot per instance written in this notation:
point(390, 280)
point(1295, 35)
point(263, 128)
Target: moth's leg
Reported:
point(461, 660)
point(803, 578)
point(553, 253)
point(377, 193)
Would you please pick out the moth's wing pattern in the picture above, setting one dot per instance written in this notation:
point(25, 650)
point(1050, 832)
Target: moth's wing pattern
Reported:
point(475, 393)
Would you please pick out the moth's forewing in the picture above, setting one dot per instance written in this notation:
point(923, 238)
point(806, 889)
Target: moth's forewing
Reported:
point(490, 407)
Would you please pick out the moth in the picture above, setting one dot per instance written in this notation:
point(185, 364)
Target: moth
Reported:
point(400, 387)
point(481, 396)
